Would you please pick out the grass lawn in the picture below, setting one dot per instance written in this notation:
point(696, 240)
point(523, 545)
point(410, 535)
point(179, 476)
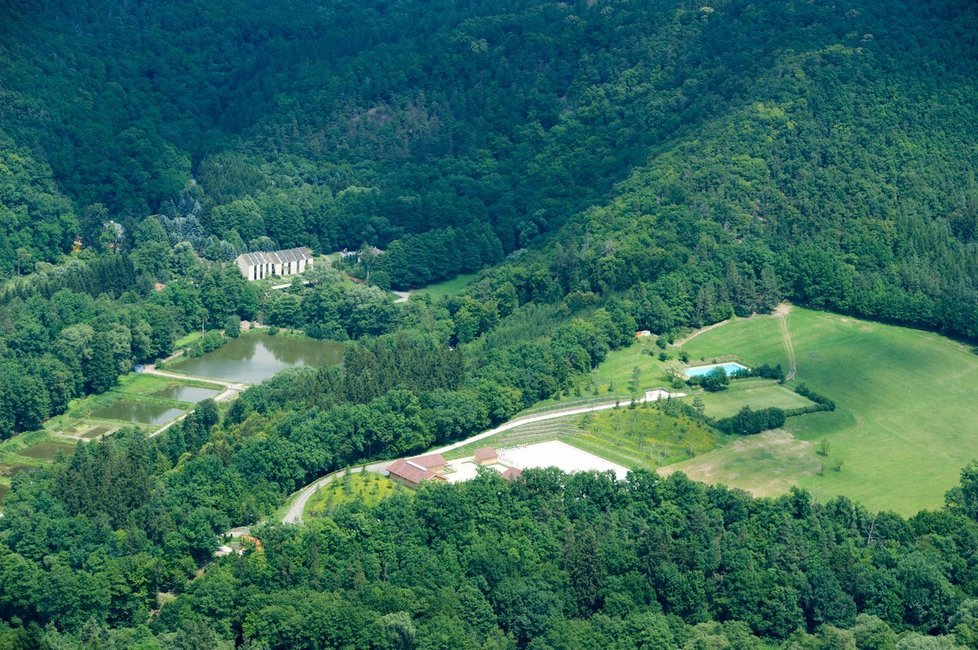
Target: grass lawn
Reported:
point(367, 487)
point(906, 420)
point(439, 290)
point(755, 393)
point(187, 340)
point(141, 384)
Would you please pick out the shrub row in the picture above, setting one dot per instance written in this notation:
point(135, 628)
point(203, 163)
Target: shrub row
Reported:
point(748, 421)
point(823, 402)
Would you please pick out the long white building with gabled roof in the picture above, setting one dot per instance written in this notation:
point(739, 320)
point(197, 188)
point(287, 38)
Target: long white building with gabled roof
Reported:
point(258, 265)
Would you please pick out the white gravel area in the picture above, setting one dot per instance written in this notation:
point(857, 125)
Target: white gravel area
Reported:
point(555, 453)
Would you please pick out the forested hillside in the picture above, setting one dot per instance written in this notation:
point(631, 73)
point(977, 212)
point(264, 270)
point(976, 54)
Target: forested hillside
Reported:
point(821, 152)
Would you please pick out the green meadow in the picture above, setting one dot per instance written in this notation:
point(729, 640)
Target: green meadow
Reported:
point(439, 290)
point(755, 393)
point(611, 379)
point(906, 420)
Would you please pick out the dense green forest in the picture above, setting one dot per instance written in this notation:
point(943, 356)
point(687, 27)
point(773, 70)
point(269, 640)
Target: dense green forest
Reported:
point(608, 166)
point(819, 152)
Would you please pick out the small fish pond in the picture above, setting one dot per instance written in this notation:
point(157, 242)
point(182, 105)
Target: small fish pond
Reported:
point(191, 394)
point(12, 469)
point(46, 450)
point(138, 412)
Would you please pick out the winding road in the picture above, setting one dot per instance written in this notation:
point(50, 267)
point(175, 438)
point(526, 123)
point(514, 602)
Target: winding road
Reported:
point(301, 498)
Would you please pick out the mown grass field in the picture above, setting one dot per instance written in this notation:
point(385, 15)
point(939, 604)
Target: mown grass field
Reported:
point(367, 487)
point(907, 417)
point(439, 290)
point(187, 339)
point(755, 393)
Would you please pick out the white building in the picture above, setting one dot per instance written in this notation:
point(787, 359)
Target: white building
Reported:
point(255, 266)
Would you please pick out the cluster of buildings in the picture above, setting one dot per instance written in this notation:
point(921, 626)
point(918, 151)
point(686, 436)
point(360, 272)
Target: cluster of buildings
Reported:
point(259, 265)
point(412, 472)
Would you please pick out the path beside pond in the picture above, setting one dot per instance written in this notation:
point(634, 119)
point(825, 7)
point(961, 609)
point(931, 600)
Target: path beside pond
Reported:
point(231, 390)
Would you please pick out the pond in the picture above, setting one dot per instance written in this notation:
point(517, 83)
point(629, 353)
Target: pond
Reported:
point(95, 432)
point(46, 450)
point(11, 469)
point(254, 358)
point(187, 393)
point(730, 368)
point(139, 412)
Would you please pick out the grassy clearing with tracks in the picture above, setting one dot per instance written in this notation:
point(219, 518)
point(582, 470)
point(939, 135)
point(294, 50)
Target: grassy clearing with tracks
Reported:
point(642, 437)
point(907, 417)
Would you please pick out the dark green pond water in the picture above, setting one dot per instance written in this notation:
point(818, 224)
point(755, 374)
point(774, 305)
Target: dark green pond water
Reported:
point(187, 393)
point(252, 359)
point(46, 450)
point(11, 469)
point(139, 412)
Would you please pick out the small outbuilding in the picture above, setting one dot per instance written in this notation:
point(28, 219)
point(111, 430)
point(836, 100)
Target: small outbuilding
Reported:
point(485, 456)
point(512, 473)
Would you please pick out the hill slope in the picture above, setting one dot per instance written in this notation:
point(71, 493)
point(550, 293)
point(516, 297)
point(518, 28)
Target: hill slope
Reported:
point(823, 152)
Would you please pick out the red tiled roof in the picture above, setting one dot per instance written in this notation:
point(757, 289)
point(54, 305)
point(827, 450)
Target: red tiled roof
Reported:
point(485, 453)
point(429, 460)
point(512, 473)
point(409, 471)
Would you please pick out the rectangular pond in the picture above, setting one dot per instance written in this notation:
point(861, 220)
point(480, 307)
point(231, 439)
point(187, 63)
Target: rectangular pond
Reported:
point(46, 450)
point(253, 358)
point(730, 367)
point(12, 469)
point(191, 394)
point(138, 412)
point(94, 432)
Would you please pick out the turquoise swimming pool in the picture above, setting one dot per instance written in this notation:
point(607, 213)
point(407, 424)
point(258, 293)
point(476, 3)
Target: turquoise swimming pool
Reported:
point(729, 367)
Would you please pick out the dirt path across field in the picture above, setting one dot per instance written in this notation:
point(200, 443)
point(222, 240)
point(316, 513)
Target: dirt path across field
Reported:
point(782, 313)
point(687, 339)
